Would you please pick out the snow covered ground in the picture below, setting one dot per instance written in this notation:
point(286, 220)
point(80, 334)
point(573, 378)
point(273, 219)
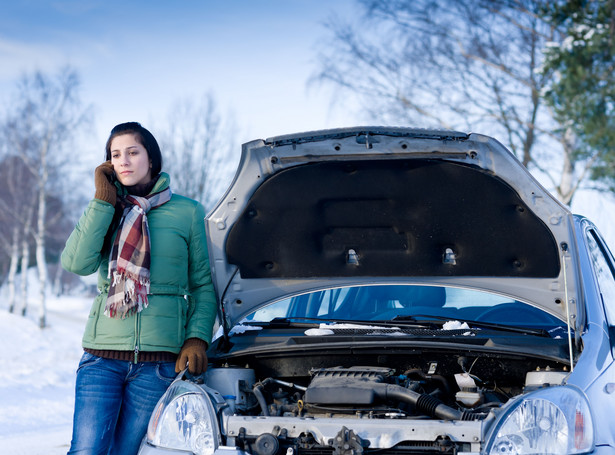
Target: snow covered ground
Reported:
point(37, 376)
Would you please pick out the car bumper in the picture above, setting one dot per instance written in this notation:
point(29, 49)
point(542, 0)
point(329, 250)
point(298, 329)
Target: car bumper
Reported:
point(147, 449)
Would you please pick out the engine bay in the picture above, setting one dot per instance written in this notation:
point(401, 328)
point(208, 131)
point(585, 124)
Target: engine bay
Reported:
point(304, 403)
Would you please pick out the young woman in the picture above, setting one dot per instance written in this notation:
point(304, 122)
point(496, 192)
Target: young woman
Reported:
point(156, 307)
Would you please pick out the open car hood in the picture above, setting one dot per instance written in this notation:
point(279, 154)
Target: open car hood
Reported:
point(387, 205)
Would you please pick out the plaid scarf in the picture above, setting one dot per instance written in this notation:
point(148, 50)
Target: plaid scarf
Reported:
point(129, 260)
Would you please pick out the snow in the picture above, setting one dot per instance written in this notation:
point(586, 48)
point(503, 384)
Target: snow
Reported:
point(318, 332)
point(37, 376)
point(241, 329)
point(355, 326)
point(455, 325)
point(326, 329)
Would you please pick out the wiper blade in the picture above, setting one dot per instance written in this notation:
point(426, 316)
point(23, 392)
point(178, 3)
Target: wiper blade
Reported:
point(420, 321)
point(479, 324)
point(311, 321)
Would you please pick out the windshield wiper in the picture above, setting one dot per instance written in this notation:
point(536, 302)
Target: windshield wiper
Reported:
point(482, 325)
point(302, 321)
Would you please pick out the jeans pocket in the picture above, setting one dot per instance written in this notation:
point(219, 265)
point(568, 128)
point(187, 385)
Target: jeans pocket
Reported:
point(88, 359)
point(166, 371)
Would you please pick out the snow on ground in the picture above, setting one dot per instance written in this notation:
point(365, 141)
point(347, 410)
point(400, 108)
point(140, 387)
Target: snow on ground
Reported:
point(37, 376)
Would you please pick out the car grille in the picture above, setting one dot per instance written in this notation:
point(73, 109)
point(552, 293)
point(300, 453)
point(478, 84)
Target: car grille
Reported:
point(425, 448)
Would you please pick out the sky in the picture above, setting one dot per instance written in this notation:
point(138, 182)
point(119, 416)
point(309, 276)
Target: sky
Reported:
point(137, 58)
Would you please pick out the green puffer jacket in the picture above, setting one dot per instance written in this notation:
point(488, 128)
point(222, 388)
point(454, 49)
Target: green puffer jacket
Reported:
point(182, 303)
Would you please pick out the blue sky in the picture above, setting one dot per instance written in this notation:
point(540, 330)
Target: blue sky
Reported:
point(137, 58)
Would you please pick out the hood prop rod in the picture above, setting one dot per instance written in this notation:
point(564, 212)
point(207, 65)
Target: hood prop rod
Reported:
point(564, 249)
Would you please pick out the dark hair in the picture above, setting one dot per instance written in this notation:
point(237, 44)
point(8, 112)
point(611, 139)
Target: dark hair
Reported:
point(145, 138)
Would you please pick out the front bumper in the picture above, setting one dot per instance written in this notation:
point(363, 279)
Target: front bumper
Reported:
point(147, 449)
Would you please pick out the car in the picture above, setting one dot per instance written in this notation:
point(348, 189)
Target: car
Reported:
point(402, 291)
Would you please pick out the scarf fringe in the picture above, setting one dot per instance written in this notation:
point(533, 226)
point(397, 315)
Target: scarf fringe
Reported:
point(134, 298)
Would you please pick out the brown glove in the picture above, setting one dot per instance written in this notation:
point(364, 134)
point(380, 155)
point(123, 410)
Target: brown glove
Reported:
point(193, 353)
point(105, 190)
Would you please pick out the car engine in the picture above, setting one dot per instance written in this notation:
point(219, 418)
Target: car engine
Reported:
point(362, 409)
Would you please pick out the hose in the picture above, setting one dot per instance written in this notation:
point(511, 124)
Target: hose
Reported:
point(258, 393)
point(421, 402)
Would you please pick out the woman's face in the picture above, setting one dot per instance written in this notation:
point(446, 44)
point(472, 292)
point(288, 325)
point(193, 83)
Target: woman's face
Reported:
point(130, 160)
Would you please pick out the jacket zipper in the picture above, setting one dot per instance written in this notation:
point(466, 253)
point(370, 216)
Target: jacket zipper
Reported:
point(137, 325)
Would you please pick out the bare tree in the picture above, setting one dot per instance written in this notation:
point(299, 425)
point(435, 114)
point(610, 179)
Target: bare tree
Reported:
point(25, 264)
point(13, 254)
point(45, 117)
point(17, 204)
point(458, 64)
point(200, 149)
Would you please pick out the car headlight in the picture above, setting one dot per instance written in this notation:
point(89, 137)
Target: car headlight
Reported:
point(184, 419)
point(555, 420)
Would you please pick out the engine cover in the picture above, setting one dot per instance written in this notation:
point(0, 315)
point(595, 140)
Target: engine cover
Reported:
point(345, 385)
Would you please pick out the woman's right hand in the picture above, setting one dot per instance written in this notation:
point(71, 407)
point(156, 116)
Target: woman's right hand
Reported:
point(103, 180)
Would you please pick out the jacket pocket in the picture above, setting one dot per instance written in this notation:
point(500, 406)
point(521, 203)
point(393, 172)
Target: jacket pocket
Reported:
point(89, 335)
point(163, 323)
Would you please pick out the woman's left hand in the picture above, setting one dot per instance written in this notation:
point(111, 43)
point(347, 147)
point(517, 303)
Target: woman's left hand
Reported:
point(193, 354)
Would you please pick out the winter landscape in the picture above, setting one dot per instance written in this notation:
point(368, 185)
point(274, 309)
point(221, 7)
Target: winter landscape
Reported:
point(37, 376)
point(212, 75)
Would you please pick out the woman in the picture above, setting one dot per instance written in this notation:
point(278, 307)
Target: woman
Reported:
point(156, 307)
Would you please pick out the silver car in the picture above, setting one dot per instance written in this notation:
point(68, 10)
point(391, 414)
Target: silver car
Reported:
point(400, 291)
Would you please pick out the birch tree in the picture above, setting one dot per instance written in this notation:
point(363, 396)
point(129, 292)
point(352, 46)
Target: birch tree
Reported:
point(45, 117)
point(17, 204)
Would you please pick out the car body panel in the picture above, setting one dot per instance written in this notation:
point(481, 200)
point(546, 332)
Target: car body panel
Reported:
point(254, 263)
point(594, 371)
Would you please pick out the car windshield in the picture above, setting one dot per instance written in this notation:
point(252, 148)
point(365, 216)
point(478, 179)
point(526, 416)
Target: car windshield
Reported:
point(396, 302)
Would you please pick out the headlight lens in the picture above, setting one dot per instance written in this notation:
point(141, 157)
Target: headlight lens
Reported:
point(555, 420)
point(184, 419)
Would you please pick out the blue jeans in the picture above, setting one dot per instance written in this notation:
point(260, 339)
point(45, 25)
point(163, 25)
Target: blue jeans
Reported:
point(114, 400)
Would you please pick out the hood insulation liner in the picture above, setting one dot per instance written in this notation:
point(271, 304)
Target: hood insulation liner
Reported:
point(387, 218)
